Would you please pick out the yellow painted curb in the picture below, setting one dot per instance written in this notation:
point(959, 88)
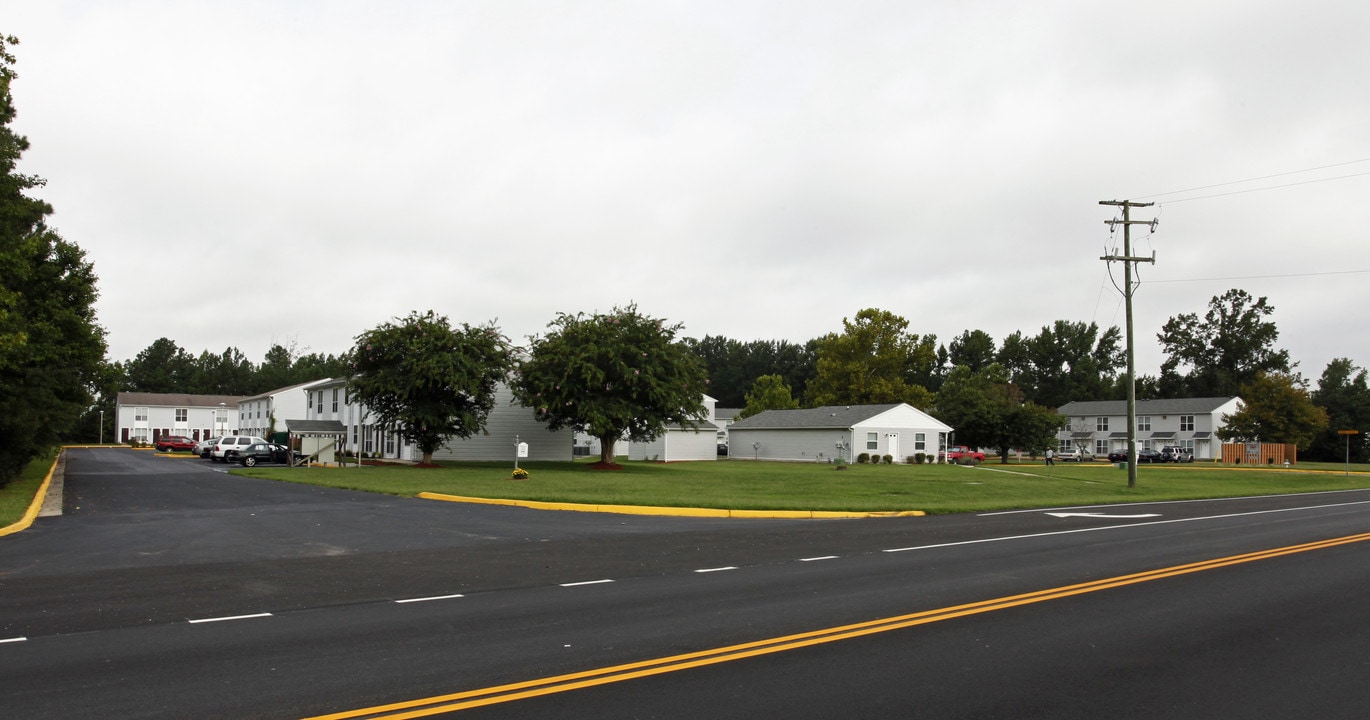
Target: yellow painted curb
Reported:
point(669, 511)
point(36, 505)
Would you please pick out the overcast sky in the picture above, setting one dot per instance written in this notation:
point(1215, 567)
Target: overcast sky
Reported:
point(247, 173)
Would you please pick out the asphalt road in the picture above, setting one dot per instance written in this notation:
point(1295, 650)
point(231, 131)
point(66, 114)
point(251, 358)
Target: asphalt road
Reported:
point(170, 589)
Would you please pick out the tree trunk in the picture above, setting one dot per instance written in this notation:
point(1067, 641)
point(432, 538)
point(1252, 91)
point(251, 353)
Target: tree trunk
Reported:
point(606, 450)
point(427, 458)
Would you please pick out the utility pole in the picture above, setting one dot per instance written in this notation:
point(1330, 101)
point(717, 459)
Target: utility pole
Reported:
point(1127, 260)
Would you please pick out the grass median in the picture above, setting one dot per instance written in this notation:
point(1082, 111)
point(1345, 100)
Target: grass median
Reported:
point(746, 485)
point(18, 494)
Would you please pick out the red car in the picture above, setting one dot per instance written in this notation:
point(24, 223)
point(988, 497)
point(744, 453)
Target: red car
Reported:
point(167, 443)
point(956, 452)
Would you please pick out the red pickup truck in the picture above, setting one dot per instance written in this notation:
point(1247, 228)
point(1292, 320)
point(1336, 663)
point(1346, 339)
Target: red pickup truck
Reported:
point(956, 452)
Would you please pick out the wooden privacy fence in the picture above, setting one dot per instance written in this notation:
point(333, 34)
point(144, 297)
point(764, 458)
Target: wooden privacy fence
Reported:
point(1260, 453)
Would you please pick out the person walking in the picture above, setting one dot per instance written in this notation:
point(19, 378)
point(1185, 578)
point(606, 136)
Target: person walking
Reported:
point(1050, 456)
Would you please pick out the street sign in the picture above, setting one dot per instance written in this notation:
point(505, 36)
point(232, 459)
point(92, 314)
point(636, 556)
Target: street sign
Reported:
point(1348, 432)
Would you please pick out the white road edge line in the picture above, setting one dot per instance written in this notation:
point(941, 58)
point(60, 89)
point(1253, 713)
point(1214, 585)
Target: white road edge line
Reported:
point(587, 582)
point(231, 617)
point(426, 599)
point(825, 557)
point(1120, 527)
point(717, 569)
point(13, 640)
point(1168, 502)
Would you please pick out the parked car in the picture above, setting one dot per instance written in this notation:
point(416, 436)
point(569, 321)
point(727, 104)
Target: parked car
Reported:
point(262, 452)
point(228, 446)
point(1075, 455)
point(956, 452)
point(167, 443)
point(1117, 456)
point(1149, 456)
point(1171, 453)
point(203, 447)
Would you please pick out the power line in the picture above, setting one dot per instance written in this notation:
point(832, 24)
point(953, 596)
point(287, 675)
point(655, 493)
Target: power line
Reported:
point(1270, 187)
point(1263, 177)
point(1263, 277)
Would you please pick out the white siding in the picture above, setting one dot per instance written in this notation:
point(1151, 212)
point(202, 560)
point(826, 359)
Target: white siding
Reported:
point(795, 445)
point(505, 422)
point(677, 445)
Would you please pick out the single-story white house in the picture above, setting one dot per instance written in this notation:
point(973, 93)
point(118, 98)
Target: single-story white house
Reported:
point(507, 424)
point(1100, 426)
point(680, 443)
point(144, 417)
point(266, 413)
point(837, 431)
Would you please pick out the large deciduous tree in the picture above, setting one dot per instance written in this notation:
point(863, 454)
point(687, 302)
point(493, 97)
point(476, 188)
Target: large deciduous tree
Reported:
point(1065, 361)
point(1276, 408)
point(989, 411)
point(428, 380)
point(1228, 348)
point(874, 360)
point(51, 347)
point(769, 392)
point(1344, 394)
point(613, 375)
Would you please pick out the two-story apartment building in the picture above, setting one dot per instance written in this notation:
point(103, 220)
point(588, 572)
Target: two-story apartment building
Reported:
point(328, 401)
point(144, 417)
point(266, 413)
point(1101, 426)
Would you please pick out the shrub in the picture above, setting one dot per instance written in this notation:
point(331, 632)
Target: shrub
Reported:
point(520, 474)
point(863, 458)
point(920, 458)
point(889, 459)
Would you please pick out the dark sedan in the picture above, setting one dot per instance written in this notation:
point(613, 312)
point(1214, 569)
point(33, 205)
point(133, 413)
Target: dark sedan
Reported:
point(263, 453)
point(1116, 457)
point(1149, 456)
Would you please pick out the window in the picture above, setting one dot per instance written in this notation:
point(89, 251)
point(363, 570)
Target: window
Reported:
point(335, 399)
point(140, 414)
point(1186, 423)
point(872, 441)
point(920, 442)
point(320, 402)
point(1101, 424)
point(389, 440)
point(1144, 423)
point(182, 415)
point(1065, 445)
point(1188, 445)
point(1146, 445)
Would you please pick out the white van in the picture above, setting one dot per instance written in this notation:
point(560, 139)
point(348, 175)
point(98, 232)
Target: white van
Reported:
point(226, 450)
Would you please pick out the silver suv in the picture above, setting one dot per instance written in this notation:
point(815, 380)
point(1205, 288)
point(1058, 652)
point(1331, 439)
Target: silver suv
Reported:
point(228, 446)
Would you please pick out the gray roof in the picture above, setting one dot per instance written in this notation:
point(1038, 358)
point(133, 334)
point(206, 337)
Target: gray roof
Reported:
point(176, 399)
point(287, 388)
point(829, 417)
point(316, 427)
point(1178, 406)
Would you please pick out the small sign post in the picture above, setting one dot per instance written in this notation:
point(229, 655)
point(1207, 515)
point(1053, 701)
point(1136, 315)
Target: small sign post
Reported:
point(1348, 434)
point(521, 451)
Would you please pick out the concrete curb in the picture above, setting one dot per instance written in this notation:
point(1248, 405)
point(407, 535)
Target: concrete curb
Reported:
point(670, 511)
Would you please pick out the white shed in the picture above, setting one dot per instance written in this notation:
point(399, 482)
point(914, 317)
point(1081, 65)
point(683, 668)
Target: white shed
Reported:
point(836, 431)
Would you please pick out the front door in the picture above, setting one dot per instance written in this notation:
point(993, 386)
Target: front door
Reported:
point(892, 445)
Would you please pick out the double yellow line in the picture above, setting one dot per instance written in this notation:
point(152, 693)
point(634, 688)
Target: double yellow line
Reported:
point(618, 673)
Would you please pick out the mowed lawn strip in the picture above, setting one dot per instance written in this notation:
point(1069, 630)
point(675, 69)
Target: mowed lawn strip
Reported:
point(16, 496)
point(739, 485)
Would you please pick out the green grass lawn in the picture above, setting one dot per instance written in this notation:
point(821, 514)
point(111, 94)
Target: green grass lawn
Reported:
point(19, 493)
point(739, 485)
